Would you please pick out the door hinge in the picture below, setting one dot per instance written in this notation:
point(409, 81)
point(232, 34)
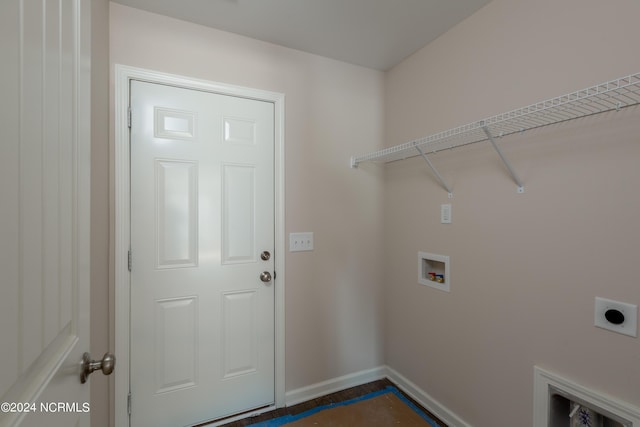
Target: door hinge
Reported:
point(129, 404)
point(129, 260)
point(129, 117)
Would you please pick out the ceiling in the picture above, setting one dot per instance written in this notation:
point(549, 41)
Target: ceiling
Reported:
point(372, 33)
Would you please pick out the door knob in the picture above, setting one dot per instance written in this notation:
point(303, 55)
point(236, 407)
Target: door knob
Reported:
point(265, 276)
point(106, 365)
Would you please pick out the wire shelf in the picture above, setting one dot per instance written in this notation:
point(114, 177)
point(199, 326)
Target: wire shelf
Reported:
point(608, 96)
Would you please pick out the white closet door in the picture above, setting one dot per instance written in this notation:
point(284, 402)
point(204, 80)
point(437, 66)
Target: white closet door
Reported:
point(44, 227)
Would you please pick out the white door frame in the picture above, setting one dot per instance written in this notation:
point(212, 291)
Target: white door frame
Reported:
point(123, 75)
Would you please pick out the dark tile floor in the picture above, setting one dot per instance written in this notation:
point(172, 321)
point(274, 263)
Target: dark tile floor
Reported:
point(340, 396)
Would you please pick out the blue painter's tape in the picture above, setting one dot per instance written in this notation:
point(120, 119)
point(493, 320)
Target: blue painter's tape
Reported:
point(286, 419)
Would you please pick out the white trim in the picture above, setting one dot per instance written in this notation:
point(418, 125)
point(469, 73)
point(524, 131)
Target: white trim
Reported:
point(422, 397)
point(544, 380)
point(323, 388)
point(123, 75)
point(241, 416)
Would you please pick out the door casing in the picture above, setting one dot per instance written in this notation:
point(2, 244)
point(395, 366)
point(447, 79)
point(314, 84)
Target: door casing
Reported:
point(123, 76)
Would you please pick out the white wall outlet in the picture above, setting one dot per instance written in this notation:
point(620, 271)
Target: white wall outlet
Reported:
point(299, 242)
point(616, 316)
point(445, 213)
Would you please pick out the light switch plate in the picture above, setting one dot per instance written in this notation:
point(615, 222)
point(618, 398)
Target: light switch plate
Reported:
point(629, 325)
point(299, 242)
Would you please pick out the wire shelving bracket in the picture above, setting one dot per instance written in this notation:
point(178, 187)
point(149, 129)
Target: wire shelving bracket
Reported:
point(504, 159)
point(612, 95)
point(435, 171)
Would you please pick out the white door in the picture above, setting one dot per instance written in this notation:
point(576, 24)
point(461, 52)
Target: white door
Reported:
point(202, 214)
point(44, 212)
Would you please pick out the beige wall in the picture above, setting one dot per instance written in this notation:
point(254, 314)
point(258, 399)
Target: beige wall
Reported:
point(100, 413)
point(333, 294)
point(525, 268)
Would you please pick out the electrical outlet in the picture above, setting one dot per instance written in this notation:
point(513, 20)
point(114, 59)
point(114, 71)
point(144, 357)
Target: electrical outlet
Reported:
point(445, 214)
point(299, 242)
point(616, 316)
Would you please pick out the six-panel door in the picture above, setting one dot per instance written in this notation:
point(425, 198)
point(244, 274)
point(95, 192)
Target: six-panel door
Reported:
point(202, 212)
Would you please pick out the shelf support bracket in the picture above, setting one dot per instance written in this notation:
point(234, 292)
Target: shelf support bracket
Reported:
point(435, 171)
point(504, 160)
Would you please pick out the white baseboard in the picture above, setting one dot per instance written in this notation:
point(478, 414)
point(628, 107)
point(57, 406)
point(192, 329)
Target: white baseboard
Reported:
point(422, 397)
point(323, 388)
point(336, 384)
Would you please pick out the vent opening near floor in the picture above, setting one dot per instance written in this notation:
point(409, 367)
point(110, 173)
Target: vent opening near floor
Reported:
point(559, 402)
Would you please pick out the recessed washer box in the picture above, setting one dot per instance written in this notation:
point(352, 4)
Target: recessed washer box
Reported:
point(430, 265)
